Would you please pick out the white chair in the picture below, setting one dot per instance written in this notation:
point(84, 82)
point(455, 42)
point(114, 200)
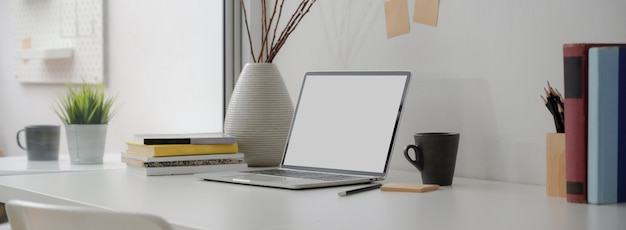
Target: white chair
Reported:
point(25, 215)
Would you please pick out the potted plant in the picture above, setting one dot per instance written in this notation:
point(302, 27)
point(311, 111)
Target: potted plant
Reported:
point(86, 112)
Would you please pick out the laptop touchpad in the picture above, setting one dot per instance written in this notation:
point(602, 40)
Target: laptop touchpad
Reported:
point(256, 178)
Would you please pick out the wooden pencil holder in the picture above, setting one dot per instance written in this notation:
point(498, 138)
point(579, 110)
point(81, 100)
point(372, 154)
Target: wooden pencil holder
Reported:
point(555, 164)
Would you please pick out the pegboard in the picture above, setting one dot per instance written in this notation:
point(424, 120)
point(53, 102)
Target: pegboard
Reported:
point(58, 41)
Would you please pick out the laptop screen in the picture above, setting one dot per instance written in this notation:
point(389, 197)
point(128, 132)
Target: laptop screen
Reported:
point(346, 121)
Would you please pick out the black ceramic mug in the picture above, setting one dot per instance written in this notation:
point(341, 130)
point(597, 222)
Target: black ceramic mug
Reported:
point(42, 142)
point(435, 156)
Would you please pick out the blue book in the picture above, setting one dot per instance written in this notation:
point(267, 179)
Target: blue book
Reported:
point(621, 158)
point(605, 179)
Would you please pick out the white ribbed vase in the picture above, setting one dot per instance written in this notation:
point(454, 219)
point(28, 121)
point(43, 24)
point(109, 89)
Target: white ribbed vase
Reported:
point(259, 114)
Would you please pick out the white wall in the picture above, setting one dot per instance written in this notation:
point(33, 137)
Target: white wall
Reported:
point(479, 72)
point(164, 61)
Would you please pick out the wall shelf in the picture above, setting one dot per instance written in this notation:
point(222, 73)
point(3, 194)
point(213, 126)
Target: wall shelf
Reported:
point(52, 53)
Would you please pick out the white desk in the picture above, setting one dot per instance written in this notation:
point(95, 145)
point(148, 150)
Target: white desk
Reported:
point(17, 165)
point(14, 165)
point(188, 202)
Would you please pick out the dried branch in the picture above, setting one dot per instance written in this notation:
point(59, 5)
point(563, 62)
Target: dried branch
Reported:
point(263, 27)
point(269, 50)
point(267, 26)
point(245, 15)
point(300, 13)
point(280, 13)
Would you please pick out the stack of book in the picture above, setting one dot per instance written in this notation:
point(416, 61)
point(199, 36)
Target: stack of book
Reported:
point(172, 154)
point(595, 124)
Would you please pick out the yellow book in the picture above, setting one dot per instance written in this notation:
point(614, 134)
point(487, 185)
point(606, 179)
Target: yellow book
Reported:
point(180, 149)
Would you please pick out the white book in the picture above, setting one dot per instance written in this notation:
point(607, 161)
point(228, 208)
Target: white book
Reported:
point(185, 138)
point(159, 171)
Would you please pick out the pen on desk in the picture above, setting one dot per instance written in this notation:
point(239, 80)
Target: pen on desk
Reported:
point(358, 190)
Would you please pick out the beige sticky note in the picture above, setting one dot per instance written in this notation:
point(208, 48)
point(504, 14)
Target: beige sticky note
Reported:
point(426, 12)
point(397, 18)
point(409, 187)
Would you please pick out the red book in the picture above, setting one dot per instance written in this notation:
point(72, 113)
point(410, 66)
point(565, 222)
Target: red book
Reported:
point(575, 68)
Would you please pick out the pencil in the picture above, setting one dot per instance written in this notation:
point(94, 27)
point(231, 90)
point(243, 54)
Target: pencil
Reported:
point(554, 102)
point(358, 190)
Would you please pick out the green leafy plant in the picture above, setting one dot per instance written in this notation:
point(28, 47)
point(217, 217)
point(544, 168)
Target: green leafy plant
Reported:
point(86, 104)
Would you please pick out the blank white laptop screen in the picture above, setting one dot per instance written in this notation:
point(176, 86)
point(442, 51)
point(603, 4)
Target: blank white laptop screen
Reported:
point(346, 121)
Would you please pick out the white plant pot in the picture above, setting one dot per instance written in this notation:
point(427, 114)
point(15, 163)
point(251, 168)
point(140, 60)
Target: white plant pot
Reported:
point(86, 143)
point(259, 114)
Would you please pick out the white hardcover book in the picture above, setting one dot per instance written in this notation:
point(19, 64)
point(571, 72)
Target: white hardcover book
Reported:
point(185, 138)
point(160, 171)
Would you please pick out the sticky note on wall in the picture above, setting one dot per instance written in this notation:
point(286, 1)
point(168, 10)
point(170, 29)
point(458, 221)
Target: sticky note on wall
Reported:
point(426, 12)
point(397, 18)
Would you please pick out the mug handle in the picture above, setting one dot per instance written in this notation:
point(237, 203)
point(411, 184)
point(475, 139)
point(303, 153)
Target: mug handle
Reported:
point(18, 139)
point(419, 157)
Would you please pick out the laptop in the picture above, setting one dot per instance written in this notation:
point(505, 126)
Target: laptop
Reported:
point(342, 132)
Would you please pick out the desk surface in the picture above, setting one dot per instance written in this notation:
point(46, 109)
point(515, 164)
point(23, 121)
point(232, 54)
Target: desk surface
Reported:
point(14, 165)
point(187, 202)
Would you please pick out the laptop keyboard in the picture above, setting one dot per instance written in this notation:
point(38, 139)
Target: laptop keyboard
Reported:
point(305, 175)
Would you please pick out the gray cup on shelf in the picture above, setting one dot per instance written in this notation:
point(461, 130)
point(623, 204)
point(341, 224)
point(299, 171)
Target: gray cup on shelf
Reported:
point(42, 142)
point(434, 156)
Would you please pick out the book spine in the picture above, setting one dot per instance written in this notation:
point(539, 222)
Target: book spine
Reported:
point(190, 138)
point(575, 90)
point(183, 163)
point(621, 157)
point(180, 141)
point(603, 125)
point(177, 141)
